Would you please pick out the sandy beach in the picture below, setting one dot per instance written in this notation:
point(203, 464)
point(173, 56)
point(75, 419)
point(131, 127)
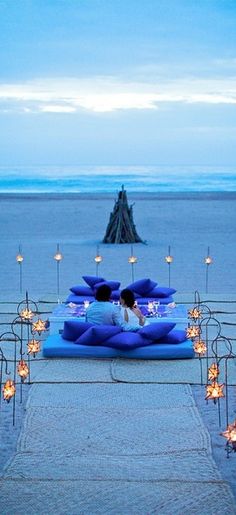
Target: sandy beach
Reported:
point(189, 223)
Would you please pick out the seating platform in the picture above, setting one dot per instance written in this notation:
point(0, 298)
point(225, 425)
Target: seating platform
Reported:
point(57, 347)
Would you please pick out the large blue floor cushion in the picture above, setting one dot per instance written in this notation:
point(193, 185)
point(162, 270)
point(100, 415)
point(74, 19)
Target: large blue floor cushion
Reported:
point(156, 341)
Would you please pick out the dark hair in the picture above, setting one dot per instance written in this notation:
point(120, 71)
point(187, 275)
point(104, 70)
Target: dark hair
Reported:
point(128, 296)
point(103, 293)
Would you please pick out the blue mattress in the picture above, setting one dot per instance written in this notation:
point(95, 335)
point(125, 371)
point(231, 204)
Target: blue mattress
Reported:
point(79, 299)
point(56, 347)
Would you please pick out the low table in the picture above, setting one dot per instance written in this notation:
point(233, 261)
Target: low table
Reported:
point(63, 312)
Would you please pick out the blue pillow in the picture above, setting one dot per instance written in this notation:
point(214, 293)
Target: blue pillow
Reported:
point(82, 290)
point(156, 330)
point(142, 287)
point(91, 280)
point(127, 341)
point(161, 292)
point(73, 329)
point(114, 285)
point(115, 295)
point(175, 336)
point(98, 334)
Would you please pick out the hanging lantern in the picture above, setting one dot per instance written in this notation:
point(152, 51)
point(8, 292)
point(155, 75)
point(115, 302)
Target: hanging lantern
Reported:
point(214, 391)
point(200, 347)
point(195, 313)
point(193, 331)
point(8, 390)
point(213, 372)
point(33, 347)
point(26, 314)
point(230, 434)
point(39, 326)
point(23, 370)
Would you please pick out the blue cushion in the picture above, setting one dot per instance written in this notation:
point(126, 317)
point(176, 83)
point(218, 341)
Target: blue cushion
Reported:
point(114, 285)
point(142, 287)
point(91, 280)
point(73, 329)
point(156, 330)
point(127, 341)
point(115, 295)
point(175, 336)
point(161, 291)
point(81, 290)
point(98, 334)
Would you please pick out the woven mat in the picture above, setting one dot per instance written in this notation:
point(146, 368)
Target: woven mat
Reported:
point(113, 432)
point(170, 371)
point(115, 497)
point(184, 466)
point(111, 449)
point(110, 396)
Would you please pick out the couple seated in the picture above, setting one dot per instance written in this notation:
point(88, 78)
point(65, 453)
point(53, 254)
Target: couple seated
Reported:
point(127, 315)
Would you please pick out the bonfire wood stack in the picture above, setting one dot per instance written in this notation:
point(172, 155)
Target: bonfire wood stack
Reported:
point(121, 227)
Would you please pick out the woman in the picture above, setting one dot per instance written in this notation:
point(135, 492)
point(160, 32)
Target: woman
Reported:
point(129, 312)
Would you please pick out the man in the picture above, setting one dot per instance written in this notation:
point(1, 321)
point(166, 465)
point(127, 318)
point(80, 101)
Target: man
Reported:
point(102, 311)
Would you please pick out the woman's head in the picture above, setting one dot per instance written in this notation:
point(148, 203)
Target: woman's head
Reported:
point(103, 293)
point(127, 298)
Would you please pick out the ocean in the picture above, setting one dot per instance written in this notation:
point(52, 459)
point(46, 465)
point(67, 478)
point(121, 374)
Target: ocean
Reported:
point(108, 179)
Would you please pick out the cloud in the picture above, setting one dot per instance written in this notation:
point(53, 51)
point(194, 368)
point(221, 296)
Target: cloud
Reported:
point(47, 108)
point(107, 94)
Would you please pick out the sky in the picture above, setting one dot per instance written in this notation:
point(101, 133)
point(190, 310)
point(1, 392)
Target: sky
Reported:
point(117, 82)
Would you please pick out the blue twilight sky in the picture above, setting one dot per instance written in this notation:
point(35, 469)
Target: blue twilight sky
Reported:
point(117, 82)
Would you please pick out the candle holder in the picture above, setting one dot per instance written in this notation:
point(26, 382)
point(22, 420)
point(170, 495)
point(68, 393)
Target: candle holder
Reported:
point(208, 261)
point(58, 257)
point(169, 260)
point(19, 260)
point(98, 259)
point(132, 260)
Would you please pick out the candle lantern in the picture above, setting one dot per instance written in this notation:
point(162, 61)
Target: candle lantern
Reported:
point(39, 326)
point(26, 314)
point(8, 390)
point(192, 331)
point(230, 435)
point(200, 347)
point(213, 372)
point(214, 391)
point(195, 314)
point(33, 347)
point(23, 370)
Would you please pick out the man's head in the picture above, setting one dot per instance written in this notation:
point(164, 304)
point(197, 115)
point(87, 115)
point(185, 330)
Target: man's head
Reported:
point(103, 293)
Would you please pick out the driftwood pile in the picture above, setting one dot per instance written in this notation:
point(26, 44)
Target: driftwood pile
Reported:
point(121, 227)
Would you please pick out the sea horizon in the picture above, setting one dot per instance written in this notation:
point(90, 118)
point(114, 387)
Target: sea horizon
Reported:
point(80, 179)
